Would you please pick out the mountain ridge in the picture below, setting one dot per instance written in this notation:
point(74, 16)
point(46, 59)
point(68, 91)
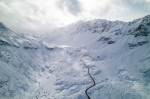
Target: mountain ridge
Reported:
point(116, 54)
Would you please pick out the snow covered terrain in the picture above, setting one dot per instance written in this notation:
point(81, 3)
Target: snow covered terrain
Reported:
point(101, 59)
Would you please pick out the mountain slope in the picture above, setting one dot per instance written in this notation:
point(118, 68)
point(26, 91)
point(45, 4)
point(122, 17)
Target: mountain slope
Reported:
point(56, 67)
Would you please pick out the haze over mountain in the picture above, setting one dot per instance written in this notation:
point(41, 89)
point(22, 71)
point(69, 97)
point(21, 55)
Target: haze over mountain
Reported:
point(41, 16)
point(97, 59)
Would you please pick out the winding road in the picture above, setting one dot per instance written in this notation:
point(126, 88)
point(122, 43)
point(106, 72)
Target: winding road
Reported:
point(86, 91)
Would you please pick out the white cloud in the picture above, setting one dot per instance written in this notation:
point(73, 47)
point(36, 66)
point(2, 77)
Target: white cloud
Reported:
point(73, 6)
point(43, 15)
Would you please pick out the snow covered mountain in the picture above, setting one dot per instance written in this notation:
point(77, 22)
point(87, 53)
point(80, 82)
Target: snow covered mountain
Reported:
point(97, 59)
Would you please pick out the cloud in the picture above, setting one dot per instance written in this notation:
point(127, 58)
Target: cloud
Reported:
point(136, 4)
point(31, 16)
point(131, 9)
point(73, 6)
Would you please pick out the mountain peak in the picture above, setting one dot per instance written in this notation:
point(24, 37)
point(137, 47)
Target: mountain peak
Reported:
point(147, 16)
point(146, 19)
point(3, 27)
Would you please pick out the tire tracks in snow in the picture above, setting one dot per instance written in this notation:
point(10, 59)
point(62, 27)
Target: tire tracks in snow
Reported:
point(86, 91)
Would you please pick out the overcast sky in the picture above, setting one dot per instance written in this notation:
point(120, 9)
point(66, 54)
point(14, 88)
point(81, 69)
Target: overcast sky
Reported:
point(41, 16)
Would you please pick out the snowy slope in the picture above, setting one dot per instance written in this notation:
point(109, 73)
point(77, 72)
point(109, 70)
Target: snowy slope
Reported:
point(116, 53)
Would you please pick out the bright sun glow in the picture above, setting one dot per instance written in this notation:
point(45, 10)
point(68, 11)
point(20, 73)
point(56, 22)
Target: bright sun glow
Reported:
point(44, 15)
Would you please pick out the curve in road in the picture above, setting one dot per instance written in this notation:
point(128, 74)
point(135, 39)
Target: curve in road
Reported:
point(86, 91)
